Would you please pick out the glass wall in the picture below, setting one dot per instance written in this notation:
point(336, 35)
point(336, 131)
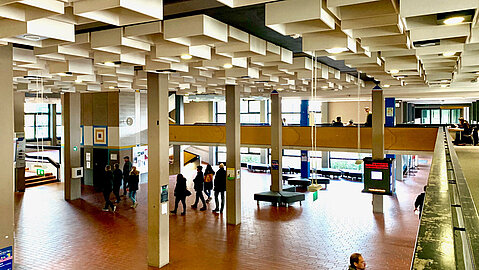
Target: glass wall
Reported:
point(37, 121)
point(440, 116)
point(346, 160)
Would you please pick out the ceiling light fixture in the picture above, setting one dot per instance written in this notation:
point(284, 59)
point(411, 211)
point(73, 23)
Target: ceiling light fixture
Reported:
point(186, 56)
point(454, 20)
point(324, 87)
point(63, 74)
point(78, 81)
point(336, 50)
point(32, 37)
point(109, 64)
point(448, 54)
point(227, 65)
point(394, 71)
point(444, 81)
point(111, 87)
point(386, 86)
point(443, 85)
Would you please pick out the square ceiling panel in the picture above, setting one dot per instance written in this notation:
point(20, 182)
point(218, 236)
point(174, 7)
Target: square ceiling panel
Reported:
point(119, 12)
point(195, 30)
point(240, 3)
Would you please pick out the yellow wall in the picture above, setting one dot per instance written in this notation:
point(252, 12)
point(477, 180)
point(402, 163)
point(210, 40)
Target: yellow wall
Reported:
point(197, 112)
point(348, 110)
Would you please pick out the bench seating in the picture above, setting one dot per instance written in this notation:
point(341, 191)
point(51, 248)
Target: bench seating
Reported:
point(353, 174)
point(286, 197)
point(299, 182)
point(332, 173)
point(322, 181)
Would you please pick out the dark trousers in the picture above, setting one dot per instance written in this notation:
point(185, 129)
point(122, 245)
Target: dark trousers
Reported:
point(222, 193)
point(183, 201)
point(125, 184)
point(108, 203)
point(116, 191)
point(199, 195)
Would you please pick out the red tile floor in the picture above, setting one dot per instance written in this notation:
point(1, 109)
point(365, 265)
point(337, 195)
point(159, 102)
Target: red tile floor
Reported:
point(54, 234)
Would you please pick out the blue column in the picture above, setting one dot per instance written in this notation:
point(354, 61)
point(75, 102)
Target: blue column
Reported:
point(390, 105)
point(304, 121)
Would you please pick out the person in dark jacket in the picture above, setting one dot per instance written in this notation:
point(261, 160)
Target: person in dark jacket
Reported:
point(198, 185)
point(338, 122)
point(117, 177)
point(126, 173)
point(419, 203)
point(107, 188)
point(220, 188)
point(209, 174)
point(133, 180)
point(369, 118)
point(180, 193)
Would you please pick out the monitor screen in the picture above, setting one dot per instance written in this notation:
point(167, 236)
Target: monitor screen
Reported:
point(376, 175)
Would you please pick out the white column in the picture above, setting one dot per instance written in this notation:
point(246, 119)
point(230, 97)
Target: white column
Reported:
point(158, 170)
point(378, 140)
point(6, 148)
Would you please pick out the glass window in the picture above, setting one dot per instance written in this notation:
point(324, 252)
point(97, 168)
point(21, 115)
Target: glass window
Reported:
point(435, 116)
point(425, 117)
point(244, 150)
point(42, 120)
point(29, 120)
point(221, 107)
point(221, 157)
point(29, 133)
point(291, 105)
point(248, 158)
point(59, 119)
point(456, 113)
point(36, 108)
point(59, 132)
point(222, 149)
point(445, 116)
point(255, 150)
point(315, 106)
point(221, 118)
point(291, 162)
point(287, 152)
point(41, 132)
point(243, 106)
point(255, 106)
point(59, 108)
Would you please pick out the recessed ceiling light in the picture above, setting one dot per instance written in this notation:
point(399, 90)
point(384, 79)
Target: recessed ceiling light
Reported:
point(448, 54)
point(324, 87)
point(280, 89)
point(78, 81)
point(111, 87)
point(227, 65)
point(386, 85)
point(443, 85)
point(394, 71)
point(444, 81)
point(186, 56)
point(336, 50)
point(32, 37)
point(454, 20)
point(110, 64)
point(63, 74)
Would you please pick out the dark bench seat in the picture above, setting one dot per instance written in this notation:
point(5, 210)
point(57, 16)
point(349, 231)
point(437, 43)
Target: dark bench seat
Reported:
point(353, 174)
point(299, 182)
point(322, 181)
point(286, 197)
point(332, 173)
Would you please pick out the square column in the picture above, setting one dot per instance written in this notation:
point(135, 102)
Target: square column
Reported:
point(158, 171)
point(71, 108)
point(19, 118)
point(233, 158)
point(178, 155)
point(304, 122)
point(276, 143)
point(378, 139)
point(6, 147)
point(53, 121)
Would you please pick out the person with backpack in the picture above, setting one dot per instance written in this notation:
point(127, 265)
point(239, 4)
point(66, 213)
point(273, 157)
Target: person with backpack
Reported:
point(198, 185)
point(133, 181)
point(208, 186)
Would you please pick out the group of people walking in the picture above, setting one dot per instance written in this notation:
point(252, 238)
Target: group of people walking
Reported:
point(202, 182)
point(113, 180)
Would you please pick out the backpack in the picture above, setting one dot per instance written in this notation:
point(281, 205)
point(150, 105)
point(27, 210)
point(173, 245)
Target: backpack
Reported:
point(208, 178)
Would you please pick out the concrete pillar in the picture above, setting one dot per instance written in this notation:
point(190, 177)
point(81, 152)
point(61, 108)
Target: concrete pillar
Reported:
point(325, 112)
point(178, 155)
point(53, 121)
point(263, 114)
point(399, 166)
point(233, 156)
point(276, 143)
point(19, 128)
point(158, 173)
point(71, 113)
point(325, 159)
point(264, 155)
point(304, 122)
point(6, 148)
point(378, 138)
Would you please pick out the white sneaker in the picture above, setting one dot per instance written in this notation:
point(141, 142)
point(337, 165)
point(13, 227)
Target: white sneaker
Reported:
point(135, 205)
point(114, 208)
point(105, 209)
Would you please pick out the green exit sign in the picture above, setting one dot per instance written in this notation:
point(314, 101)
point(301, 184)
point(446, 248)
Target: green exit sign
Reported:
point(40, 172)
point(75, 148)
point(315, 195)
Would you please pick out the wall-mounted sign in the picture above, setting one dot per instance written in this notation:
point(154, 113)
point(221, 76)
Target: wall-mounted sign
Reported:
point(274, 165)
point(164, 193)
point(6, 258)
point(88, 165)
point(113, 156)
point(20, 153)
point(88, 156)
point(230, 174)
point(40, 172)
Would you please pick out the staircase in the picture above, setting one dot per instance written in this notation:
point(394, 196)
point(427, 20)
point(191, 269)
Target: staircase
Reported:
point(34, 180)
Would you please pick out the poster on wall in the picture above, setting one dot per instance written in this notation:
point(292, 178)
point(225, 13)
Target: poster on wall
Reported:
point(140, 158)
point(20, 152)
point(6, 258)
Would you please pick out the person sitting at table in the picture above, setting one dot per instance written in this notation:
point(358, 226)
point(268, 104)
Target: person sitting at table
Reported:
point(463, 137)
point(338, 122)
point(350, 123)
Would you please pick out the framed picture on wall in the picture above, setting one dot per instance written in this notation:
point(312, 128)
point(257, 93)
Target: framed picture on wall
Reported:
point(100, 135)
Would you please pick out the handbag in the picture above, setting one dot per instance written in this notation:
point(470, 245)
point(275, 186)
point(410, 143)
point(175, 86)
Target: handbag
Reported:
point(208, 178)
point(187, 193)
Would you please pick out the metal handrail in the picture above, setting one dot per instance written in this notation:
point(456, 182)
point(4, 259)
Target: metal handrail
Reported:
point(448, 235)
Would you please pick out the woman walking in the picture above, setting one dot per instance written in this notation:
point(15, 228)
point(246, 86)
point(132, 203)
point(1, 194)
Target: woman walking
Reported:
point(133, 181)
point(209, 174)
point(107, 188)
point(180, 193)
